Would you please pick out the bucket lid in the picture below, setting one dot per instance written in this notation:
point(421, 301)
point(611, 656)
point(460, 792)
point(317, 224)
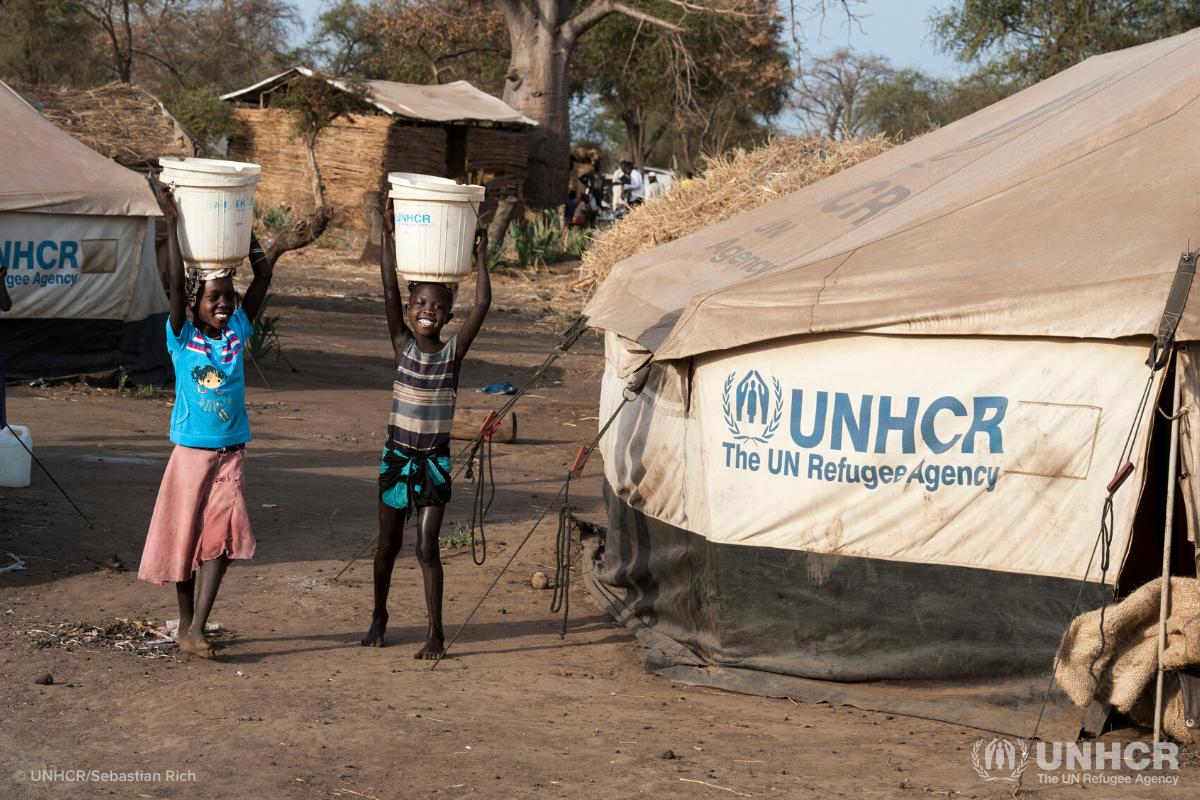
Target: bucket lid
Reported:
point(209, 166)
point(432, 183)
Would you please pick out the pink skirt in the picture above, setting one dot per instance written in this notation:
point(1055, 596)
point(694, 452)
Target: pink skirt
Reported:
point(200, 515)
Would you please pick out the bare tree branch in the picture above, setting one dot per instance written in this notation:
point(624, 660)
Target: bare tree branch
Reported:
point(829, 91)
point(587, 19)
point(709, 10)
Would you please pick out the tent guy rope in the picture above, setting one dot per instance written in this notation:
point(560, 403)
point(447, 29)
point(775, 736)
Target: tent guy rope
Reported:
point(489, 427)
point(48, 475)
point(1161, 353)
point(633, 388)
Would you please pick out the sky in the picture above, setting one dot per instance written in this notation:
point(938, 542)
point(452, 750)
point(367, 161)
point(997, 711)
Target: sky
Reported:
point(897, 29)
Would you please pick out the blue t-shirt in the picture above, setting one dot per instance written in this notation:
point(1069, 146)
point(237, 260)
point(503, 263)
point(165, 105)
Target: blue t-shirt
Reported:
point(210, 390)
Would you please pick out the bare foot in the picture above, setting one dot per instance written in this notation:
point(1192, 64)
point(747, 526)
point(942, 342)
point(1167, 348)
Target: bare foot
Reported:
point(374, 637)
point(432, 650)
point(197, 647)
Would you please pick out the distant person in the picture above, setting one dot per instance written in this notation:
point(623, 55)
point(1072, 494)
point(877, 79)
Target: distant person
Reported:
point(593, 182)
point(687, 181)
point(586, 211)
point(200, 522)
point(633, 186)
point(569, 209)
point(653, 187)
point(5, 305)
point(600, 186)
point(414, 478)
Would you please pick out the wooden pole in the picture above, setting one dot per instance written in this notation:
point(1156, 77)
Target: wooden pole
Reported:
point(1165, 602)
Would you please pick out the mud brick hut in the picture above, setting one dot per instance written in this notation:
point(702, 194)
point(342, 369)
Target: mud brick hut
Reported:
point(452, 131)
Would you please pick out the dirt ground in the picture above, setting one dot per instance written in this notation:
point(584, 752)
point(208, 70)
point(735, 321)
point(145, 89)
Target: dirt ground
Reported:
point(293, 707)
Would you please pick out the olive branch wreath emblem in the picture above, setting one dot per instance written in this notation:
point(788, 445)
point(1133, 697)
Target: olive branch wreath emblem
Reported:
point(1012, 777)
point(772, 426)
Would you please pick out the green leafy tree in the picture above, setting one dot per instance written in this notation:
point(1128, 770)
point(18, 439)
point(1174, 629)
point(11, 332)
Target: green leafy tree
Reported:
point(343, 41)
point(1026, 41)
point(908, 102)
point(47, 41)
point(709, 86)
point(314, 103)
point(202, 113)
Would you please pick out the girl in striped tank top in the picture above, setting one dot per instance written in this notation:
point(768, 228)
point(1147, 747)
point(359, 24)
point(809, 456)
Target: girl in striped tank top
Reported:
point(414, 477)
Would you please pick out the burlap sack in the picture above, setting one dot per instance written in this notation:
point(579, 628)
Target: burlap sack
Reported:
point(1127, 667)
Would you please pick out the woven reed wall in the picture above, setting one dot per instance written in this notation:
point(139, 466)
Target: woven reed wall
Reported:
point(496, 160)
point(353, 158)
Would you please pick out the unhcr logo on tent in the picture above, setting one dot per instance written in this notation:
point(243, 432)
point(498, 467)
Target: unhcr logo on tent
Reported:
point(753, 411)
point(749, 411)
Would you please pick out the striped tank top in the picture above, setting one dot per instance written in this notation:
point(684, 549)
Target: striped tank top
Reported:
point(423, 398)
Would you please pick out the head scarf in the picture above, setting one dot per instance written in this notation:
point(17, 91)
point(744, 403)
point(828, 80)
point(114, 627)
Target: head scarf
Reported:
point(194, 282)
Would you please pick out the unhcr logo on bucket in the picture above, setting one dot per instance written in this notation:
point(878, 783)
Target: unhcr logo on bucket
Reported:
point(956, 433)
point(1078, 763)
point(413, 219)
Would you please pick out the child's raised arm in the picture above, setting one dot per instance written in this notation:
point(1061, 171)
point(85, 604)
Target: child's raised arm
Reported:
point(256, 293)
point(393, 301)
point(175, 277)
point(483, 299)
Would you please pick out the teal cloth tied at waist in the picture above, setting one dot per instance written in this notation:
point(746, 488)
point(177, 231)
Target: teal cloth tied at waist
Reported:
point(412, 480)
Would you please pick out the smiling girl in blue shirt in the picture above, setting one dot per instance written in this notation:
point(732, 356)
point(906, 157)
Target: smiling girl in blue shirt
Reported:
point(200, 522)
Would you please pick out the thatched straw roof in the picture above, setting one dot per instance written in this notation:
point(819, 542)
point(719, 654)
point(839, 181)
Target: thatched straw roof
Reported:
point(727, 185)
point(125, 123)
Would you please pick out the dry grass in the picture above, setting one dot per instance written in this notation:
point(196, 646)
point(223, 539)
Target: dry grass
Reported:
point(122, 122)
point(729, 185)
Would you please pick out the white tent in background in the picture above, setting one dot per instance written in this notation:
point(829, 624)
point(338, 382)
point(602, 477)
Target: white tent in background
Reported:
point(77, 236)
point(871, 458)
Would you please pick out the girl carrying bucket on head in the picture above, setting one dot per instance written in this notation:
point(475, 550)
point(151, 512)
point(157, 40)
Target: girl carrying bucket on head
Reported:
point(415, 475)
point(200, 521)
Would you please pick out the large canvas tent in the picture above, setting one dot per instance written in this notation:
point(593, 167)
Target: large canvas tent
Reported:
point(870, 461)
point(77, 236)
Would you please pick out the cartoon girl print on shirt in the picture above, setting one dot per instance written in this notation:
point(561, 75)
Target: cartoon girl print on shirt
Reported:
point(209, 380)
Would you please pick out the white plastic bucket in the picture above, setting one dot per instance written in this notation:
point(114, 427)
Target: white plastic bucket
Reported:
point(435, 227)
point(14, 459)
point(216, 209)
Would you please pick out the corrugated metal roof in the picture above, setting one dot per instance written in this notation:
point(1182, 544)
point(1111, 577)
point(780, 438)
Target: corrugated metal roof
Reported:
point(448, 102)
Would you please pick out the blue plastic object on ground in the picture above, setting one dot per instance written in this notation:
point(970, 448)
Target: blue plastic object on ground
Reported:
point(495, 388)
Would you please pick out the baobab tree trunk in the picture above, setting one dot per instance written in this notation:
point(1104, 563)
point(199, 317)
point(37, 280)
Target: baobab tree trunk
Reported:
point(543, 34)
point(536, 85)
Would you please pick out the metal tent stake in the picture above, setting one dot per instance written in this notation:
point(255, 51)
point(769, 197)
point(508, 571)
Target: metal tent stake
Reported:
point(1165, 602)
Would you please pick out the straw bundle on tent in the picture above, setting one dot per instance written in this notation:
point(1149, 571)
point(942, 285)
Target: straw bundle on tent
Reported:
point(123, 122)
point(728, 185)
